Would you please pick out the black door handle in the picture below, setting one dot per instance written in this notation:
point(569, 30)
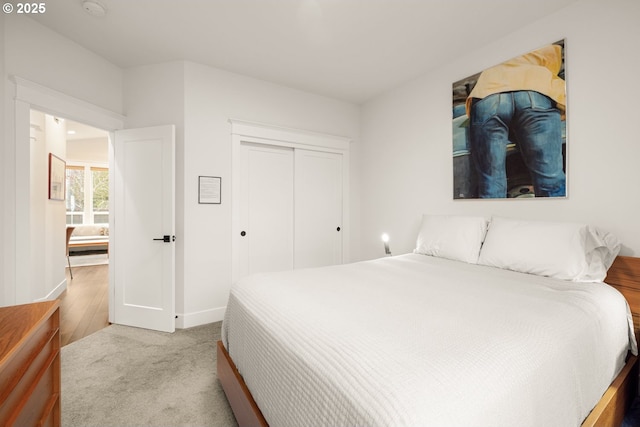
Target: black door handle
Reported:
point(338, 229)
point(243, 233)
point(167, 238)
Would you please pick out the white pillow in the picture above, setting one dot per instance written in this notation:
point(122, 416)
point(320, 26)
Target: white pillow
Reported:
point(566, 251)
point(452, 237)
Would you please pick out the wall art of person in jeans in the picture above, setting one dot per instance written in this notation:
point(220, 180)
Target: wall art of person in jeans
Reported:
point(522, 100)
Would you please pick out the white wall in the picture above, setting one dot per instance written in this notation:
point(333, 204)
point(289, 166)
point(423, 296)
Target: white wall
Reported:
point(406, 153)
point(200, 100)
point(5, 297)
point(41, 55)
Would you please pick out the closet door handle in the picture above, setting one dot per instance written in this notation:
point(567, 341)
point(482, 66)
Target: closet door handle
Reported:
point(338, 229)
point(243, 233)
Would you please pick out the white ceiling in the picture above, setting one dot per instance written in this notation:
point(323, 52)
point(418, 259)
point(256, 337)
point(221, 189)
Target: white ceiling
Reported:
point(78, 131)
point(346, 49)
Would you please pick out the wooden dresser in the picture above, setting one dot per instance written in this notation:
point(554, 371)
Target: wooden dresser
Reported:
point(30, 365)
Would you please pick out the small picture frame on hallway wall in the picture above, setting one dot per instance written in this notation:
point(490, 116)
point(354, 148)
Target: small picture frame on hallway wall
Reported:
point(209, 190)
point(57, 177)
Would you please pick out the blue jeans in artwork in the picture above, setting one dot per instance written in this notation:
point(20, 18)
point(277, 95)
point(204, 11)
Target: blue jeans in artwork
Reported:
point(532, 121)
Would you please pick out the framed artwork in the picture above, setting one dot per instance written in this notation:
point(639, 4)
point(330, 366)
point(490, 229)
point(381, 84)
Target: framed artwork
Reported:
point(509, 128)
point(57, 177)
point(209, 190)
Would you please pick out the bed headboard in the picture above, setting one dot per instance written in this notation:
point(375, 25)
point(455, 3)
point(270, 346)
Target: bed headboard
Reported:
point(624, 275)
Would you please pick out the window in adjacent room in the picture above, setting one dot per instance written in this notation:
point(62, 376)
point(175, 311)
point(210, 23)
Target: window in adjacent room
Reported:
point(100, 195)
point(87, 194)
point(75, 194)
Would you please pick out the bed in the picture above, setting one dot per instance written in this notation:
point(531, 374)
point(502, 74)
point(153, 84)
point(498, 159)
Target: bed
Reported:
point(442, 336)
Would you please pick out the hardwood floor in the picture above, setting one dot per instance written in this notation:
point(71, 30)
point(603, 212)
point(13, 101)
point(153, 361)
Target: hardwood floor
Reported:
point(84, 306)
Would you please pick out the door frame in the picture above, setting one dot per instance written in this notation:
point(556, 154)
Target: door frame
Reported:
point(28, 96)
point(261, 133)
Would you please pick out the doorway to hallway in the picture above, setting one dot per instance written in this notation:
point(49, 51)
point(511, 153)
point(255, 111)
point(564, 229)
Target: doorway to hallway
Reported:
point(83, 207)
point(84, 306)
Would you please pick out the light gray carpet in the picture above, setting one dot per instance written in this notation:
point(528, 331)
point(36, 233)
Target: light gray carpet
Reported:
point(122, 376)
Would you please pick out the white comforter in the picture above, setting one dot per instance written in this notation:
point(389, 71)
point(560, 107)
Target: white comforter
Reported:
point(421, 341)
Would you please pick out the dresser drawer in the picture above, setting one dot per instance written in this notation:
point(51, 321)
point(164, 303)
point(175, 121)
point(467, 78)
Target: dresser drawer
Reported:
point(30, 365)
point(39, 404)
point(18, 363)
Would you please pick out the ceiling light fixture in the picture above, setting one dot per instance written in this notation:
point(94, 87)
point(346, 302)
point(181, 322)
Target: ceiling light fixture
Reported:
point(94, 8)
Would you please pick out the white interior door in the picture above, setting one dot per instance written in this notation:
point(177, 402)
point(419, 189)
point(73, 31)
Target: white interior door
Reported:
point(266, 209)
point(143, 245)
point(318, 208)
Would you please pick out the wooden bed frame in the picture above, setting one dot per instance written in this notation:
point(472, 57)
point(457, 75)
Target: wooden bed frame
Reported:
point(623, 275)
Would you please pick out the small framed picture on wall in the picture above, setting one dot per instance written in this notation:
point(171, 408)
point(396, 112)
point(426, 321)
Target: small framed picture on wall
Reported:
point(57, 177)
point(209, 189)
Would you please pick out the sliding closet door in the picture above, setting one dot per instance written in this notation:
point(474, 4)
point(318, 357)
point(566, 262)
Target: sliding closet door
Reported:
point(318, 208)
point(290, 199)
point(266, 208)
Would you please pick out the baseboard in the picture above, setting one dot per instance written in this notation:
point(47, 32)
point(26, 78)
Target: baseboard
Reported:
point(55, 293)
point(189, 320)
